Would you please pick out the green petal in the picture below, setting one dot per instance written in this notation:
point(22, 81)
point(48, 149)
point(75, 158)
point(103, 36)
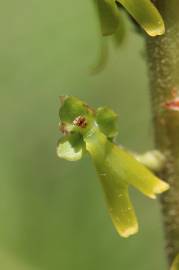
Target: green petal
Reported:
point(175, 265)
point(108, 15)
point(127, 169)
point(71, 108)
point(70, 147)
point(134, 173)
point(107, 121)
point(146, 14)
point(118, 202)
point(115, 189)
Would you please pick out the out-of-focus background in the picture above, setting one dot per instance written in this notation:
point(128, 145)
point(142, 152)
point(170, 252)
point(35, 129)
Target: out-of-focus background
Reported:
point(52, 212)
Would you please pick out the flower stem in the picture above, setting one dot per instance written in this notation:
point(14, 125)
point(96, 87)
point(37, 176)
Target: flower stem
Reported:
point(163, 59)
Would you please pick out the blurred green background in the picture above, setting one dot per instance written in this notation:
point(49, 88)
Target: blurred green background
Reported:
point(52, 212)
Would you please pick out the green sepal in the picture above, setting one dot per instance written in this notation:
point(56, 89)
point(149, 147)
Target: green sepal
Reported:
point(71, 147)
point(73, 107)
point(75, 115)
point(117, 160)
point(107, 120)
point(108, 15)
point(117, 169)
point(134, 173)
point(127, 169)
point(115, 189)
point(118, 202)
point(146, 14)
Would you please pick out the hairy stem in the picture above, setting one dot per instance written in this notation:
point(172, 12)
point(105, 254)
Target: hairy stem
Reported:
point(163, 59)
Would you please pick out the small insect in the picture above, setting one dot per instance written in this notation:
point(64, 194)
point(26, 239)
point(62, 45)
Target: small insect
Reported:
point(80, 121)
point(172, 104)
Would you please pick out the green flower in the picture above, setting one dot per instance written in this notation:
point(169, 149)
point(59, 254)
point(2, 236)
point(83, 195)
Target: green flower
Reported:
point(92, 131)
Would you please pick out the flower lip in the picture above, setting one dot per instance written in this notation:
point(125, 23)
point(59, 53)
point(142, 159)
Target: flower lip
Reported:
point(93, 133)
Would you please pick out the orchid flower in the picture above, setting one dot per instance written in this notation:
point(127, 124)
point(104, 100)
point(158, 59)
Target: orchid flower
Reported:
point(90, 131)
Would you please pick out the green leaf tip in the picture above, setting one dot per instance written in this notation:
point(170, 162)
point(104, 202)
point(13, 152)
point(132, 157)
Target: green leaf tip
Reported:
point(91, 131)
